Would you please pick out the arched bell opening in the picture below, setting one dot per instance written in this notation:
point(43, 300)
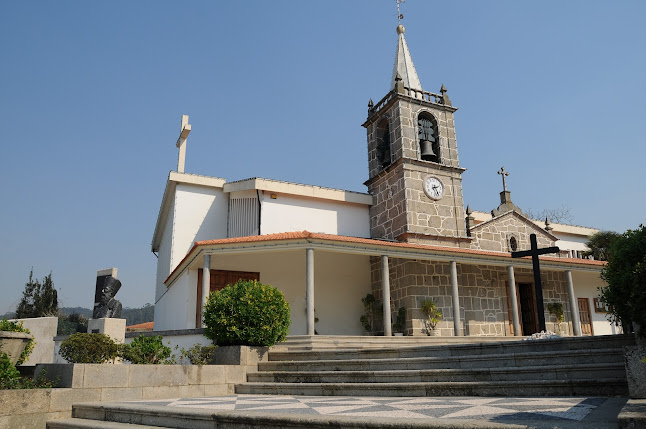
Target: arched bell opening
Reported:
point(383, 143)
point(429, 139)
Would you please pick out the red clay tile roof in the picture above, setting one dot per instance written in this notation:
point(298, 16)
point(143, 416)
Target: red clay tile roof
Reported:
point(342, 238)
point(304, 235)
point(146, 326)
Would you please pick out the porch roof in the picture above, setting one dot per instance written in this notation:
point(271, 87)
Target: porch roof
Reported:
point(370, 247)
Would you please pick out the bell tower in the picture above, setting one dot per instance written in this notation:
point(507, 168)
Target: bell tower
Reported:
point(414, 171)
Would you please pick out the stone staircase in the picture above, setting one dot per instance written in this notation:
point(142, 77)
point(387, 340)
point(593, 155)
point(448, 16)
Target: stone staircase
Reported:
point(373, 366)
point(562, 367)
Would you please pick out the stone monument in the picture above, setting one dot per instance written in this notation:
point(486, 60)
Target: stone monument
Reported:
point(107, 286)
point(107, 310)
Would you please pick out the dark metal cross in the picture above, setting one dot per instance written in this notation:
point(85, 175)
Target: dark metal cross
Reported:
point(534, 252)
point(504, 174)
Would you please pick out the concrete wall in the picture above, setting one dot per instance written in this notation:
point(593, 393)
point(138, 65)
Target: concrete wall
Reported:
point(586, 286)
point(296, 213)
point(164, 255)
point(43, 329)
point(175, 309)
point(200, 214)
point(31, 408)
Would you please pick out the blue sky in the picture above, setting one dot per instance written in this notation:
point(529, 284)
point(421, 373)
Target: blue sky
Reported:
point(92, 95)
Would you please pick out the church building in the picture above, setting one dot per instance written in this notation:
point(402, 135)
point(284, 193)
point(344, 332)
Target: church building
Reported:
point(407, 240)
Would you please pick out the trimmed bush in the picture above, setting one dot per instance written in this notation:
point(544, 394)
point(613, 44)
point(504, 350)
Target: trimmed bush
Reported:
point(146, 350)
point(7, 325)
point(247, 313)
point(89, 348)
point(9, 375)
point(199, 354)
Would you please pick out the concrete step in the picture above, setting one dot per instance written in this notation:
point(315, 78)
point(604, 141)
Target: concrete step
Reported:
point(572, 357)
point(391, 350)
point(553, 372)
point(91, 424)
point(137, 416)
point(304, 342)
point(598, 387)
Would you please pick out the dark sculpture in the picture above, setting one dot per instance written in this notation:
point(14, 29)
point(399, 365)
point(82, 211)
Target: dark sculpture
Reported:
point(105, 306)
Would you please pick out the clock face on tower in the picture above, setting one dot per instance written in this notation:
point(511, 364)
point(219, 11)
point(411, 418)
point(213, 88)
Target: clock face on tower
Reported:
point(434, 188)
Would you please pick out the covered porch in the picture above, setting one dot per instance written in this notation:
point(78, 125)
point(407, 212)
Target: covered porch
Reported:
point(325, 276)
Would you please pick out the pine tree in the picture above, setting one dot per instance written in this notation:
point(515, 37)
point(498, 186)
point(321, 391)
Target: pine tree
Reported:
point(38, 299)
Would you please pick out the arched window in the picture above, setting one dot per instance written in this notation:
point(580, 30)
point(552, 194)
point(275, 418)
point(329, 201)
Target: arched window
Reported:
point(383, 143)
point(429, 141)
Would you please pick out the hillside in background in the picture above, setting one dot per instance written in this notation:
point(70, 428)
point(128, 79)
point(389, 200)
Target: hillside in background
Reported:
point(133, 316)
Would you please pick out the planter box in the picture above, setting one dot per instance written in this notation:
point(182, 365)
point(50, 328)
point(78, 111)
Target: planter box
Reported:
point(13, 343)
point(240, 355)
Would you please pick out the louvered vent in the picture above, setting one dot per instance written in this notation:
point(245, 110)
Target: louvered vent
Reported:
point(243, 217)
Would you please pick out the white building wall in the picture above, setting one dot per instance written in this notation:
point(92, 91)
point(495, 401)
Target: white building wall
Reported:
point(200, 214)
point(340, 282)
point(586, 285)
point(176, 308)
point(164, 255)
point(296, 213)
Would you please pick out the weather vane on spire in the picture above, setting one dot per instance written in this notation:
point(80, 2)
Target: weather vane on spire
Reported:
point(400, 15)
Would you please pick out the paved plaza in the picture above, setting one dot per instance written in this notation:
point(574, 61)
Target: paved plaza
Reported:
point(546, 411)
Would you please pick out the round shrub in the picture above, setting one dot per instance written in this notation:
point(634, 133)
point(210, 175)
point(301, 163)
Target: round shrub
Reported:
point(89, 348)
point(247, 313)
point(146, 350)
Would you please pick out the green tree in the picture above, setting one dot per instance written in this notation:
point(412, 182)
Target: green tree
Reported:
point(599, 245)
point(625, 274)
point(38, 299)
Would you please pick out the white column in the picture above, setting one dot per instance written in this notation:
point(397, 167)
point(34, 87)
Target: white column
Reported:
point(206, 283)
point(513, 300)
point(455, 299)
point(309, 290)
point(574, 304)
point(385, 292)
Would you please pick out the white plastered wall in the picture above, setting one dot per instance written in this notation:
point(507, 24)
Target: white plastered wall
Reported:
point(164, 255)
point(196, 213)
point(586, 285)
point(200, 214)
point(340, 281)
point(176, 308)
point(296, 213)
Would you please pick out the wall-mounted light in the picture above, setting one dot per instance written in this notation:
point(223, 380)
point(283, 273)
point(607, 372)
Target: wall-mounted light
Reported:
point(273, 196)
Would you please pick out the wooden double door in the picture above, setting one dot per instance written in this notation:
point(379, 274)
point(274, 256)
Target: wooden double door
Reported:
point(218, 280)
point(527, 315)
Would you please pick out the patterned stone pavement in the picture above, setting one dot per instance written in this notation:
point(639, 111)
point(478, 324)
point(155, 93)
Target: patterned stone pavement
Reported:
point(492, 409)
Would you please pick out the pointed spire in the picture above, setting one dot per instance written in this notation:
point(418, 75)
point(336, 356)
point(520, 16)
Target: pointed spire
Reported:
point(404, 64)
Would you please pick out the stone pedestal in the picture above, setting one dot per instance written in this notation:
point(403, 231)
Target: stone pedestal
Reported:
point(114, 328)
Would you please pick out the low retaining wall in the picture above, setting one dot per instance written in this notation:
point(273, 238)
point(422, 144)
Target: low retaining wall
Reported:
point(107, 382)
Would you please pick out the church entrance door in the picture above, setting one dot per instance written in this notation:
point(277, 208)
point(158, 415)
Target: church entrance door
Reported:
point(527, 307)
point(584, 316)
point(218, 280)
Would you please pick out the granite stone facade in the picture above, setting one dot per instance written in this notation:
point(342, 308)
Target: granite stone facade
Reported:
point(495, 235)
point(402, 210)
point(483, 295)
